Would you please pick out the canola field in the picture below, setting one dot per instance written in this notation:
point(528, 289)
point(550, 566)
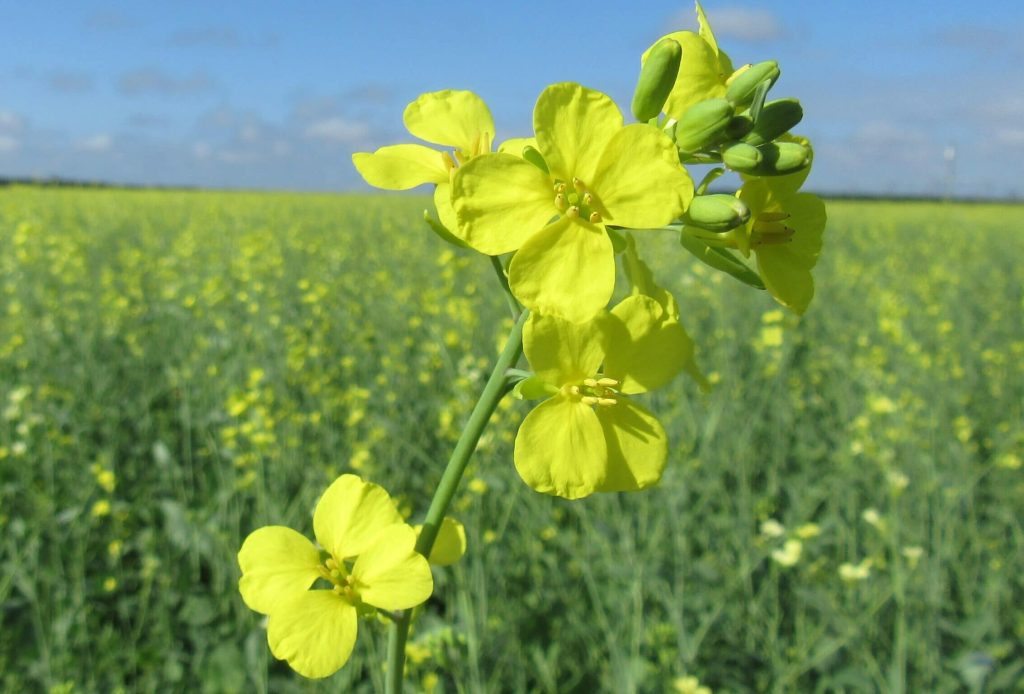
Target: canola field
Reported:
point(842, 512)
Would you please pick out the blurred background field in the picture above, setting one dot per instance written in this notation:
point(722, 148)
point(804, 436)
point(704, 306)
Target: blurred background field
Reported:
point(840, 513)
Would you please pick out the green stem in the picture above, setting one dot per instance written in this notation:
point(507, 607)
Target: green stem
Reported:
point(446, 488)
point(513, 305)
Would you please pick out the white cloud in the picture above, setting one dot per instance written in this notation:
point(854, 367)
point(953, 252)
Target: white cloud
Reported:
point(8, 144)
point(1010, 137)
point(96, 143)
point(338, 130)
point(745, 24)
point(10, 120)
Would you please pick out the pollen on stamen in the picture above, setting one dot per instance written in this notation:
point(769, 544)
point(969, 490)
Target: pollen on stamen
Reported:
point(572, 212)
point(595, 218)
point(587, 199)
point(591, 382)
point(559, 187)
point(560, 202)
point(607, 382)
point(606, 402)
point(578, 184)
point(590, 400)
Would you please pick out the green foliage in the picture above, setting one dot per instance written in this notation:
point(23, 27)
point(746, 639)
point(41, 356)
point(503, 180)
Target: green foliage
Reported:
point(178, 369)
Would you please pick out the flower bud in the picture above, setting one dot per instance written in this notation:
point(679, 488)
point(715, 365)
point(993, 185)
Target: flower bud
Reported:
point(718, 213)
point(744, 83)
point(776, 118)
point(739, 126)
point(780, 158)
point(742, 157)
point(703, 124)
point(657, 77)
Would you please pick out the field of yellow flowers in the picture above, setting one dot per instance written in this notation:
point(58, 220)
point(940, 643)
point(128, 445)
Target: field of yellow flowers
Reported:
point(840, 513)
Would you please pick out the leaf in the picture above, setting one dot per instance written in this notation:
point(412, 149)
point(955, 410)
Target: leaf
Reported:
point(720, 259)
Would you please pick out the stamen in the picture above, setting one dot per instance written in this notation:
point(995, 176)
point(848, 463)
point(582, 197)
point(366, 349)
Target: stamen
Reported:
point(559, 187)
point(560, 202)
point(574, 390)
point(590, 400)
point(573, 212)
point(587, 199)
point(449, 163)
point(591, 382)
point(606, 402)
point(595, 218)
point(607, 382)
point(578, 184)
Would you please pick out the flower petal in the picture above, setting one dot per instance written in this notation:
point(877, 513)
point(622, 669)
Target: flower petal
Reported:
point(786, 268)
point(646, 349)
point(450, 543)
point(639, 182)
point(314, 632)
point(401, 167)
point(637, 447)
point(276, 564)
point(516, 145)
point(560, 449)
point(566, 270)
point(350, 514)
point(573, 125)
point(452, 118)
point(562, 352)
point(501, 200)
point(443, 205)
point(391, 574)
point(702, 73)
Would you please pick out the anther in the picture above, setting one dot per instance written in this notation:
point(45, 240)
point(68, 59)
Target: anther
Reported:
point(595, 218)
point(590, 382)
point(587, 199)
point(590, 400)
point(572, 212)
point(449, 163)
point(606, 402)
point(560, 202)
point(607, 382)
point(559, 187)
point(574, 390)
point(578, 184)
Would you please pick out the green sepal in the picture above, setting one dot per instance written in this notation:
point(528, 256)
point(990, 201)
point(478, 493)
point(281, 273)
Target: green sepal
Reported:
point(703, 124)
point(777, 118)
point(743, 87)
point(657, 77)
point(720, 259)
point(533, 155)
point(758, 103)
point(442, 231)
point(708, 179)
point(740, 156)
point(533, 388)
point(718, 213)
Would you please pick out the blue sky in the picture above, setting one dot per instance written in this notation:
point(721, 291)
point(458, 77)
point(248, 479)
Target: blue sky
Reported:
point(276, 95)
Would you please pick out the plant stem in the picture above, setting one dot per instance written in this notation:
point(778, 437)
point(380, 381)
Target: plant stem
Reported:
point(490, 397)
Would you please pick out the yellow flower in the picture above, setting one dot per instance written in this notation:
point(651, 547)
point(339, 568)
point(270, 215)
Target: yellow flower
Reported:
point(589, 436)
point(595, 171)
point(450, 118)
point(450, 543)
point(790, 553)
point(315, 630)
point(101, 508)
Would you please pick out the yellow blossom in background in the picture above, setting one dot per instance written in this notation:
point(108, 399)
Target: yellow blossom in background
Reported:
point(913, 555)
point(851, 573)
point(790, 553)
point(100, 509)
point(772, 528)
point(808, 531)
point(688, 684)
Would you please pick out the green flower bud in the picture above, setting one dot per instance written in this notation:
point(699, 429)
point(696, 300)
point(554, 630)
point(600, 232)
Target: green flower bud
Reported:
point(718, 213)
point(776, 118)
point(739, 126)
point(780, 158)
point(703, 124)
point(742, 157)
point(657, 77)
point(743, 83)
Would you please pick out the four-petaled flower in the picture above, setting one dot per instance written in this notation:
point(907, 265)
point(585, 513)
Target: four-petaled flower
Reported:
point(589, 435)
point(599, 172)
point(315, 630)
point(784, 232)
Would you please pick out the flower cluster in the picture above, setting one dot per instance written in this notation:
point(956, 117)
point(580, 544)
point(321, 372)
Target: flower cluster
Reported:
point(559, 208)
